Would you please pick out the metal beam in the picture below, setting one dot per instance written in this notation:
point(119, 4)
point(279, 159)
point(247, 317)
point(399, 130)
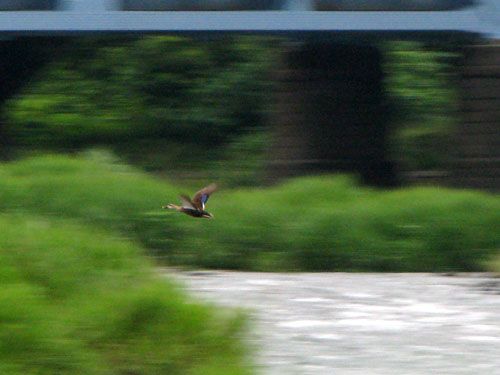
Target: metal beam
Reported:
point(81, 16)
point(28, 22)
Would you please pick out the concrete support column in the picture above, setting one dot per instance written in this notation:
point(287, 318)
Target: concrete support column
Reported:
point(329, 114)
point(477, 140)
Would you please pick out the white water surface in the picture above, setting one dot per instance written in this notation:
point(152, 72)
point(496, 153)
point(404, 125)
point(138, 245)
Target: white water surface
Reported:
point(364, 324)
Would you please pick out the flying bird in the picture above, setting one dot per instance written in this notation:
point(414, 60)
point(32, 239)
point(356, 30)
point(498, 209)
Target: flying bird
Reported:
point(196, 206)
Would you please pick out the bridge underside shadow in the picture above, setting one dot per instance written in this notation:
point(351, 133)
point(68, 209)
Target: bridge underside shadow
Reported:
point(476, 156)
point(330, 110)
point(329, 114)
point(20, 59)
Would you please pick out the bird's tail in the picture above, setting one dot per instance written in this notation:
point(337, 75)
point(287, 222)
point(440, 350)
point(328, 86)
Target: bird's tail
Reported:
point(172, 207)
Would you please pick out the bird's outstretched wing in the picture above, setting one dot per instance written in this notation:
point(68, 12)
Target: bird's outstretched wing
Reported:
point(186, 202)
point(201, 197)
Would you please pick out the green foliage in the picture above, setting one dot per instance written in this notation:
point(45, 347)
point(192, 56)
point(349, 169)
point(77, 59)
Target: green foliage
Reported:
point(112, 91)
point(243, 161)
point(94, 188)
point(180, 106)
point(322, 223)
point(420, 84)
point(76, 300)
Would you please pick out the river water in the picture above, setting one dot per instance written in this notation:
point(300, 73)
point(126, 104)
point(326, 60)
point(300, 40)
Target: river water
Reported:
point(364, 324)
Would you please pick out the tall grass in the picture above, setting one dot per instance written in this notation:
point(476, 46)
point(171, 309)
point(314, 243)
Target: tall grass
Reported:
point(95, 188)
point(313, 224)
point(75, 300)
point(330, 223)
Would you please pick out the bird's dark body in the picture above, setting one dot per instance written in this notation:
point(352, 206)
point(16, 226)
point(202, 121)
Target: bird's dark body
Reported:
point(194, 213)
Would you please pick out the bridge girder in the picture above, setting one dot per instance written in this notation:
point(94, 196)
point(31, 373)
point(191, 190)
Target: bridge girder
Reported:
point(77, 16)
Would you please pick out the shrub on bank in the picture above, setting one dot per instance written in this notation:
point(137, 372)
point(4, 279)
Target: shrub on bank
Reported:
point(95, 188)
point(314, 224)
point(330, 223)
point(75, 300)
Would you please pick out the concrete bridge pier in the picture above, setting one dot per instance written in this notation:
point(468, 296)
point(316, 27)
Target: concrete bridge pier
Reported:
point(330, 115)
point(477, 140)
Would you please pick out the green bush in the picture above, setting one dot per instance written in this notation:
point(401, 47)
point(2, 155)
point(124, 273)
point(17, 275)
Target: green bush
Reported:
point(112, 91)
point(76, 300)
point(95, 188)
point(422, 88)
point(321, 223)
point(326, 223)
point(244, 160)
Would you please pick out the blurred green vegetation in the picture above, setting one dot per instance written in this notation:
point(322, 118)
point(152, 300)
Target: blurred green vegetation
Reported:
point(170, 100)
point(77, 300)
point(331, 223)
point(77, 295)
point(422, 88)
point(96, 188)
point(193, 111)
point(308, 224)
point(187, 107)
